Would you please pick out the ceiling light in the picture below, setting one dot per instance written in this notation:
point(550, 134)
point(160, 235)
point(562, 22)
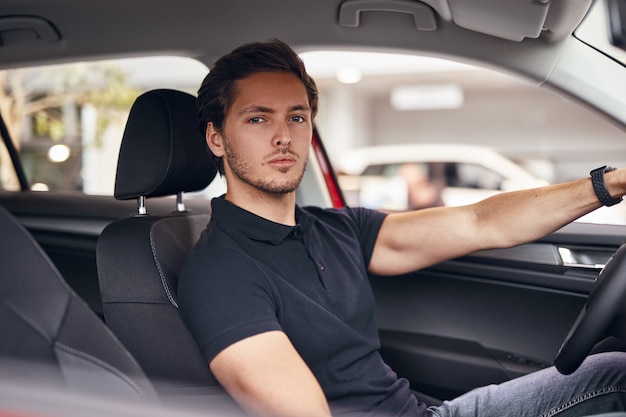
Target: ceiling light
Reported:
point(325, 64)
point(349, 75)
point(427, 97)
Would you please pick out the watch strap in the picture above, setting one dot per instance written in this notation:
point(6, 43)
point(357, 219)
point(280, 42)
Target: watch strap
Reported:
point(599, 186)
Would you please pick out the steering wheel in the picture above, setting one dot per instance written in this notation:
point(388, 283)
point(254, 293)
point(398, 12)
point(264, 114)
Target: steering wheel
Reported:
point(603, 304)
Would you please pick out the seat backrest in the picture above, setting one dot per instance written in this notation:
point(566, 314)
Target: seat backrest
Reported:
point(139, 257)
point(49, 335)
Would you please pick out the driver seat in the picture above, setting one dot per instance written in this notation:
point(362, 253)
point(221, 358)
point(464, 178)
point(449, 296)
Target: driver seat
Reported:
point(139, 257)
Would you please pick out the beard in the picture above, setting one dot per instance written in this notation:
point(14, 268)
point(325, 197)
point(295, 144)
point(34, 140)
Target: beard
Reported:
point(241, 169)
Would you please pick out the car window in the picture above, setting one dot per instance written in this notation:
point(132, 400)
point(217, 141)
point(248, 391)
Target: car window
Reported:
point(449, 174)
point(472, 176)
point(471, 131)
point(8, 176)
point(593, 31)
point(67, 120)
point(477, 130)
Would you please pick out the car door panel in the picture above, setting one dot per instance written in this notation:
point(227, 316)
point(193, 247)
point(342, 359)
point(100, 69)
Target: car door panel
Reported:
point(490, 316)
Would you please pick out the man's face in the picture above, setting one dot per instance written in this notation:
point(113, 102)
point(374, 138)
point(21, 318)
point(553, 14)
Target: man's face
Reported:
point(266, 133)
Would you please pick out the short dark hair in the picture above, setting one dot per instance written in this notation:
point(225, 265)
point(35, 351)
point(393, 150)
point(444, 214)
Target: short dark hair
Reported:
point(217, 92)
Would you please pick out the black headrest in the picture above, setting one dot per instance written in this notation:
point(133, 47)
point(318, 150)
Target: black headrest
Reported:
point(162, 151)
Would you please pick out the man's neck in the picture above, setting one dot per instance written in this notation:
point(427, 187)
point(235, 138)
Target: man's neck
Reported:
point(279, 208)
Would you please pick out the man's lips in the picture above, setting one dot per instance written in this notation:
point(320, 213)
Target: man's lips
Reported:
point(282, 162)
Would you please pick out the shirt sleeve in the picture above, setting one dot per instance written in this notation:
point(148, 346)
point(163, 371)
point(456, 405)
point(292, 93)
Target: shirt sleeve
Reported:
point(224, 297)
point(359, 222)
point(368, 223)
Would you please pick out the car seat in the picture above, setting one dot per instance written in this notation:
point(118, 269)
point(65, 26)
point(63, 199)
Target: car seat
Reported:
point(139, 257)
point(50, 336)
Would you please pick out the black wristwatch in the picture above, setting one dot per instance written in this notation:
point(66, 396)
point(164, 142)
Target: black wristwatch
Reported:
point(597, 179)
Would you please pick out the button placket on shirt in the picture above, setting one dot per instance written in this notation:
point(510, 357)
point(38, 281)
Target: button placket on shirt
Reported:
point(321, 268)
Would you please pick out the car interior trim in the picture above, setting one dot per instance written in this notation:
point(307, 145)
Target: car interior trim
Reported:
point(350, 12)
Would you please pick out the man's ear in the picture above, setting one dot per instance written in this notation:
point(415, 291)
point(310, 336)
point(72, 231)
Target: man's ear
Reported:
point(214, 140)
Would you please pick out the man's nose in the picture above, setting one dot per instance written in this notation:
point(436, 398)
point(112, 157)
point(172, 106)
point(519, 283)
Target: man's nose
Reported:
point(282, 138)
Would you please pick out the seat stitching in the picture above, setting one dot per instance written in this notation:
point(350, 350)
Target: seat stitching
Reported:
point(104, 365)
point(161, 274)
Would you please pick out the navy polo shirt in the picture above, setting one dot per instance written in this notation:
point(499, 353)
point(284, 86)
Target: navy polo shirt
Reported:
point(248, 275)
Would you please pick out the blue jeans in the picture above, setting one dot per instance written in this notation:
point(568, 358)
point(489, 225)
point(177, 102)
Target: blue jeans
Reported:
point(598, 386)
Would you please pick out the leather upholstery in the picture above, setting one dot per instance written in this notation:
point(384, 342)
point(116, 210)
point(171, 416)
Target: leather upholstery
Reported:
point(50, 335)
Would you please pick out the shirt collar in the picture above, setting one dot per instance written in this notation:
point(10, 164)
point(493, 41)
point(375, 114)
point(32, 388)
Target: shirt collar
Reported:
point(256, 227)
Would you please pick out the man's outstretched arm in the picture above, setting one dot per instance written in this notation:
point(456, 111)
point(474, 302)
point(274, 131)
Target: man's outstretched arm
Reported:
point(411, 241)
point(267, 377)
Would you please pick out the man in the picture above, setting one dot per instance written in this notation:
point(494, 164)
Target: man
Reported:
point(277, 296)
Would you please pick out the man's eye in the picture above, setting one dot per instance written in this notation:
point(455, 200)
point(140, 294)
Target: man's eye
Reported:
point(298, 119)
point(255, 120)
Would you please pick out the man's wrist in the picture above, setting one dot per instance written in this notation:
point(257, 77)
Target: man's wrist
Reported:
point(599, 186)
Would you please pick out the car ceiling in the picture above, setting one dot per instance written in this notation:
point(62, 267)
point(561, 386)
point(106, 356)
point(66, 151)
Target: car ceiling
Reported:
point(45, 31)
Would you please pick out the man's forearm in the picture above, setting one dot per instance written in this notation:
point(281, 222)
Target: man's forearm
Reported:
point(513, 218)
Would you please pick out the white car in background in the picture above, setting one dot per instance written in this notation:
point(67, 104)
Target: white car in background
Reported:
point(376, 176)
